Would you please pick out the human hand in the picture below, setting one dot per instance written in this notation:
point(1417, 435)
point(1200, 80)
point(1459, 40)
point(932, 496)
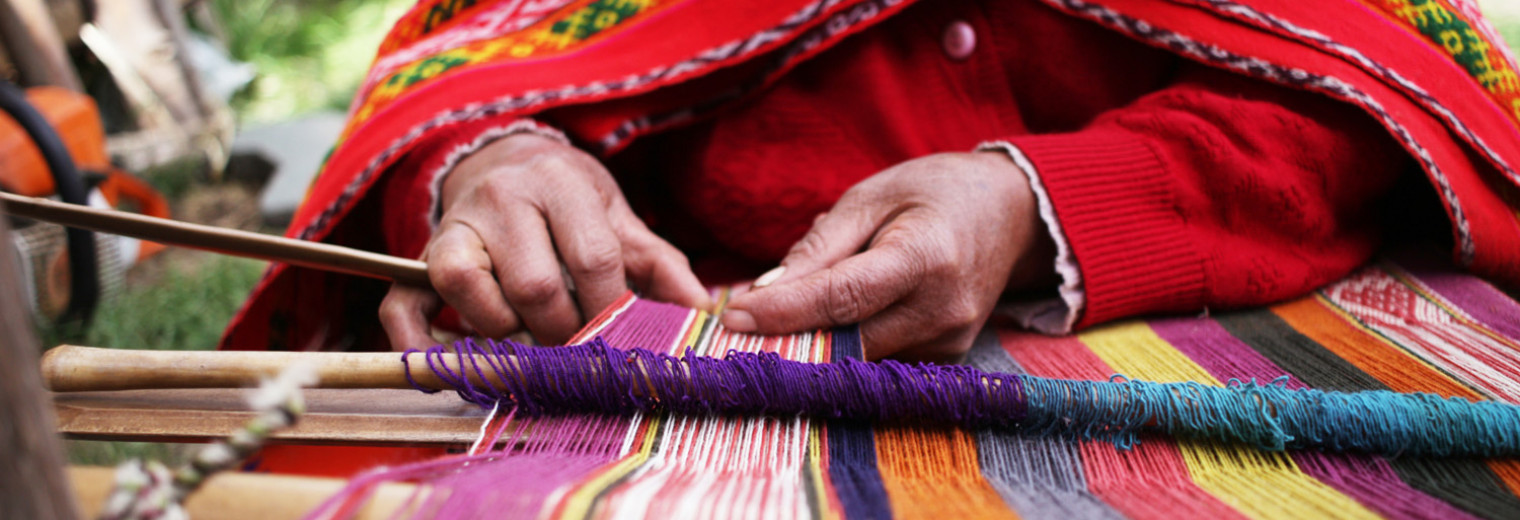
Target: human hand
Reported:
point(943, 236)
point(513, 212)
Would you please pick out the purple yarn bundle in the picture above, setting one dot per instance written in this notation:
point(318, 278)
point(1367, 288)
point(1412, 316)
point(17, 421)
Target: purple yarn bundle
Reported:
point(597, 377)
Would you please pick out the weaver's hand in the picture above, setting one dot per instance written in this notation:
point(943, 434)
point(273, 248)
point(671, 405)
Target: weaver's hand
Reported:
point(514, 212)
point(917, 254)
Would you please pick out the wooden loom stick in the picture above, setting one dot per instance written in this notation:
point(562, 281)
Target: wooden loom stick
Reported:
point(69, 368)
point(304, 253)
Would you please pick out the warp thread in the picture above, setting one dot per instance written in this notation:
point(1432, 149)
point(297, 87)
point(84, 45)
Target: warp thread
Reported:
point(597, 377)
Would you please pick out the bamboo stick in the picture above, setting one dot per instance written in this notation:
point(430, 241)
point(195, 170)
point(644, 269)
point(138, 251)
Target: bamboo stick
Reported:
point(69, 368)
point(304, 253)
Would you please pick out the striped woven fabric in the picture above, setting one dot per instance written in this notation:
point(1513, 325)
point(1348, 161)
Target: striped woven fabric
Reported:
point(1407, 326)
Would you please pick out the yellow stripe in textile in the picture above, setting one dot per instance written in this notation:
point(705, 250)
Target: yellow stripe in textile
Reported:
point(1259, 484)
point(578, 503)
point(933, 473)
point(822, 506)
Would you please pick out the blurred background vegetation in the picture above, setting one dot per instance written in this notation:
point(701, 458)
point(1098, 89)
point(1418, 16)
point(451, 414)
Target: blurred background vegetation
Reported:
point(310, 54)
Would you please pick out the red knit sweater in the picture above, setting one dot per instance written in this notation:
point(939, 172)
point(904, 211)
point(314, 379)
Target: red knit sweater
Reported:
point(1176, 187)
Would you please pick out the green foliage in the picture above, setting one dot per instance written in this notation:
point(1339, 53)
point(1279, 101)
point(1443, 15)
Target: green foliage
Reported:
point(111, 453)
point(1505, 15)
point(1509, 29)
point(185, 310)
point(175, 178)
point(310, 54)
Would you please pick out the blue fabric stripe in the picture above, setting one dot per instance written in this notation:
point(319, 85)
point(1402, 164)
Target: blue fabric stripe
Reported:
point(852, 449)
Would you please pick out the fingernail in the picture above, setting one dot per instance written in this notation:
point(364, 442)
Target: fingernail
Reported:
point(770, 277)
point(739, 321)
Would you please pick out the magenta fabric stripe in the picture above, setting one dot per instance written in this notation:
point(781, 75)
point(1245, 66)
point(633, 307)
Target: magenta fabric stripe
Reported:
point(649, 325)
point(1366, 479)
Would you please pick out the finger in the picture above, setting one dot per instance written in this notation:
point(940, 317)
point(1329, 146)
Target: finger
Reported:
point(899, 332)
point(835, 235)
point(405, 314)
point(658, 269)
point(591, 252)
point(530, 274)
point(848, 292)
point(460, 270)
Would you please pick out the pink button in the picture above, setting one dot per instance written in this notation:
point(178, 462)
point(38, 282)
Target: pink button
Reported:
point(959, 40)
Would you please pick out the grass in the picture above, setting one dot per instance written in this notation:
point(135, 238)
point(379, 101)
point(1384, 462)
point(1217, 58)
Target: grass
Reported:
point(185, 309)
point(111, 453)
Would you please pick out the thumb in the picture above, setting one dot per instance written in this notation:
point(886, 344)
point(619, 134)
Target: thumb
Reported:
point(835, 236)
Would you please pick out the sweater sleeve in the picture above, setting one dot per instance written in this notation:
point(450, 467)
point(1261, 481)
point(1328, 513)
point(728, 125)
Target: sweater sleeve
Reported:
point(1216, 192)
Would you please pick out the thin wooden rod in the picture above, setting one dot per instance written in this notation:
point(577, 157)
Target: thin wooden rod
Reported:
point(69, 368)
point(316, 255)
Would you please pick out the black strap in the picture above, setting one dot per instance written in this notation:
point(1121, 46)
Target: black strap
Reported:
point(84, 281)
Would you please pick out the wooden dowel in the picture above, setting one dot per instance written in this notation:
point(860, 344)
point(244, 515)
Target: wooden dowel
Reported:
point(304, 253)
point(69, 368)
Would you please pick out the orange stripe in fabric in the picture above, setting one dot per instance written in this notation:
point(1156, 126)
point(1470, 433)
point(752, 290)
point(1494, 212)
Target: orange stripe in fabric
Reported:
point(1328, 326)
point(1379, 358)
point(933, 473)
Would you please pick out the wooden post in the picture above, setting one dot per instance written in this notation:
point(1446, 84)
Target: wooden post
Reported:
point(31, 36)
point(32, 480)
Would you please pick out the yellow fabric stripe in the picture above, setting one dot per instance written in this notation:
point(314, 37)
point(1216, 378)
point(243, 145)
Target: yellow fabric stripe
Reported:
point(823, 506)
point(1257, 483)
point(578, 503)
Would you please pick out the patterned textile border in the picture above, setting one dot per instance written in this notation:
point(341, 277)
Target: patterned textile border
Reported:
point(1485, 58)
point(837, 26)
point(497, 19)
point(562, 31)
point(690, 67)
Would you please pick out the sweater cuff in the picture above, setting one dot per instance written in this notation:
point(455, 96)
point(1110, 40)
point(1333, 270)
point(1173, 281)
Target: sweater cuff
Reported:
point(1049, 315)
point(465, 145)
point(1114, 207)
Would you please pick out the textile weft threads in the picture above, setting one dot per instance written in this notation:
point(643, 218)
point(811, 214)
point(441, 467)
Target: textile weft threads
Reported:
point(597, 377)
